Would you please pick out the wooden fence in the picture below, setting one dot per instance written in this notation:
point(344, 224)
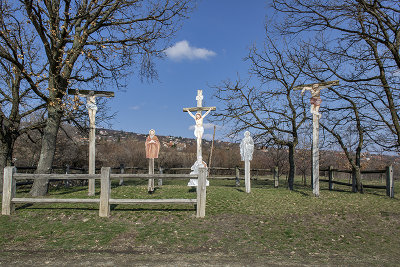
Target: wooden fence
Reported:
point(235, 173)
point(105, 200)
point(389, 179)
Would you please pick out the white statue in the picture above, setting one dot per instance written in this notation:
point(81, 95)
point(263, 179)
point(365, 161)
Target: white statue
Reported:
point(91, 102)
point(92, 108)
point(247, 147)
point(198, 128)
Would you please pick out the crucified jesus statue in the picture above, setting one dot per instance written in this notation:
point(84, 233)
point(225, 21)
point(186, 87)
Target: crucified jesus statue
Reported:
point(198, 128)
point(198, 132)
point(315, 90)
point(315, 99)
point(315, 104)
point(92, 109)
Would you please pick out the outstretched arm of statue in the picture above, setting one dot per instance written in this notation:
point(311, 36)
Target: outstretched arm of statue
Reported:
point(191, 114)
point(205, 114)
point(304, 89)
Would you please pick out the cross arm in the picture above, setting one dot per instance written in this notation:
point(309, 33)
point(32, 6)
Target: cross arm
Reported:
point(321, 84)
point(199, 109)
point(89, 92)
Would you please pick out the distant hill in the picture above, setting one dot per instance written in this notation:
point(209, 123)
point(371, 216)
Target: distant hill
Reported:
point(171, 141)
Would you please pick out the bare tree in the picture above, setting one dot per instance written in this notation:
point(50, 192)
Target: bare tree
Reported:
point(18, 102)
point(358, 41)
point(273, 111)
point(93, 41)
point(303, 155)
point(345, 122)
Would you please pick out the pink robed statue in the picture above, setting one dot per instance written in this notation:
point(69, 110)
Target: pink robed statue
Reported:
point(152, 145)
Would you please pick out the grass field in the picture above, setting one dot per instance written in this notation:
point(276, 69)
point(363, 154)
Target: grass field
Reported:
point(268, 226)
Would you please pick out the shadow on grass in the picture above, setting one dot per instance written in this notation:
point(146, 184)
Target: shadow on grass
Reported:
point(24, 206)
point(301, 192)
point(114, 208)
point(192, 189)
point(28, 207)
point(336, 190)
point(128, 182)
point(254, 184)
point(68, 191)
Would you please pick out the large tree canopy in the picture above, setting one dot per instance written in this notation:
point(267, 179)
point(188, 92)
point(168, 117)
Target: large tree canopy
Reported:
point(357, 41)
point(91, 41)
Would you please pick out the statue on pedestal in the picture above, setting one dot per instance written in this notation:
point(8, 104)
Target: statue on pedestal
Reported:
point(247, 147)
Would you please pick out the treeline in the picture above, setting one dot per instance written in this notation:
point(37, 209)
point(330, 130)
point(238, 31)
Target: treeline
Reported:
point(72, 150)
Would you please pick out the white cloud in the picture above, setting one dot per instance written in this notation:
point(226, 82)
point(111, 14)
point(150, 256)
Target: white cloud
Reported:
point(134, 107)
point(208, 125)
point(182, 50)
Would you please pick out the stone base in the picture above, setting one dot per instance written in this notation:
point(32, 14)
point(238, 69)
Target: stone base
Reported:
point(195, 170)
point(194, 182)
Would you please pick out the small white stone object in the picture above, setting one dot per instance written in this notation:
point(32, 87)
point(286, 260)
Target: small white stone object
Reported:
point(195, 170)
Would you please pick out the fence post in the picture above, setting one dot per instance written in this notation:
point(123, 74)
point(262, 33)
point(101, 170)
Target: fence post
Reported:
point(247, 175)
point(276, 177)
point(201, 193)
point(389, 181)
point(237, 181)
point(150, 187)
point(330, 173)
point(121, 171)
point(104, 209)
point(161, 171)
point(67, 171)
point(9, 188)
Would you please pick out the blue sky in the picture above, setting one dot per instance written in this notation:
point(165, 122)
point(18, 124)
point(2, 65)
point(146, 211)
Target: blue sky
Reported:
point(207, 50)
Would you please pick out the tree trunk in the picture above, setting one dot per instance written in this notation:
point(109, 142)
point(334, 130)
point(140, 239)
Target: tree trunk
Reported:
point(292, 167)
point(40, 186)
point(357, 178)
point(6, 148)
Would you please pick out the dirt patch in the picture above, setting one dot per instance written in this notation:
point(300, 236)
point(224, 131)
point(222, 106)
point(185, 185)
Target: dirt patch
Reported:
point(136, 258)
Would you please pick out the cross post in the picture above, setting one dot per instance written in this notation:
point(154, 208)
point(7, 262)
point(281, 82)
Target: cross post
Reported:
point(92, 109)
point(199, 110)
point(315, 101)
point(199, 129)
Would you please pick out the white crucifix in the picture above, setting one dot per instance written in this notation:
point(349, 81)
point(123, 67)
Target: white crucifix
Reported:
point(315, 101)
point(92, 109)
point(198, 132)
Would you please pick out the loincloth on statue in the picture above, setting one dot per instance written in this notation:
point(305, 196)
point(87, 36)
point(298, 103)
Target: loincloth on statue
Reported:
point(316, 101)
point(198, 131)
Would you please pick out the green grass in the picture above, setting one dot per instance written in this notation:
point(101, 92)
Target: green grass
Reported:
point(292, 227)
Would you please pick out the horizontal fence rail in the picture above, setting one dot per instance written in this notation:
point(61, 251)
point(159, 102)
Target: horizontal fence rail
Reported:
point(389, 179)
point(67, 169)
point(105, 200)
point(237, 174)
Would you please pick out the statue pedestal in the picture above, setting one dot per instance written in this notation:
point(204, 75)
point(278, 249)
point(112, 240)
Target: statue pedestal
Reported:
point(195, 170)
point(194, 182)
